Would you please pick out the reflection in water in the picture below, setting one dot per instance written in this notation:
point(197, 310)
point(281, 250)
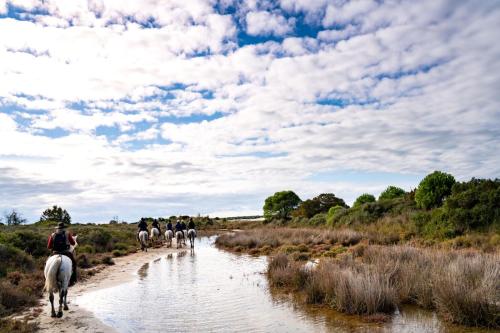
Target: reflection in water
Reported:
point(215, 291)
point(143, 271)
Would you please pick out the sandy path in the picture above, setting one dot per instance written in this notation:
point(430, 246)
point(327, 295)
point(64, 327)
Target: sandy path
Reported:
point(79, 320)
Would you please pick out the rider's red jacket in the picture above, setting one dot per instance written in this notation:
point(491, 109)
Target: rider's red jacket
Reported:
point(70, 239)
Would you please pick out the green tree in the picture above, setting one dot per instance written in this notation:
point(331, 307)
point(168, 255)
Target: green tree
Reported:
point(392, 192)
point(320, 204)
point(280, 204)
point(363, 198)
point(55, 214)
point(14, 218)
point(308, 208)
point(474, 204)
point(433, 189)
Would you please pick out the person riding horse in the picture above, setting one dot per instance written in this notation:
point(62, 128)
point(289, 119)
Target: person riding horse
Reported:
point(191, 224)
point(178, 227)
point(142, 226)
point(169, 227)
point(156, 225)
point(59, 242)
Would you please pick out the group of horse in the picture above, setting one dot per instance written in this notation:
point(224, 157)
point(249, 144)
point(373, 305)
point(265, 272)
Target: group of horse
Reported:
point(154, 238)
point(58, 267)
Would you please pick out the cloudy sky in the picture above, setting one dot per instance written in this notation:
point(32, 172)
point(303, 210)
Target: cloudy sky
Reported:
point(160, 107)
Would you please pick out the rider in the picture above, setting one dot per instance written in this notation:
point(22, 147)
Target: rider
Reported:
point(183, 225)
point(156, 225)
point(169, 226)
point(59, 242)
point(142, 226)
point(178, 226)
point(191, 224)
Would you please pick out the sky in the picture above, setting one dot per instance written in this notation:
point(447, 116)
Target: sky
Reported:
point(135, 108)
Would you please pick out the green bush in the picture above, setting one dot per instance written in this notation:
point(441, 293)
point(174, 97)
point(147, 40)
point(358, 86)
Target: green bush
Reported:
point(363, 198)
point(12, 258)
point(391, 192)
point(318, 219)
point(100, 239)
point(433, 189)
point(29, 242)
point(474, 204)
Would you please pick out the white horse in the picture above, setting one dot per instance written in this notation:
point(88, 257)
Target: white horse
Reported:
point(191, 236)
point(58, 269)
point(155, 236)
point(143, 239)
point(169, 234)
point(179, 238)
point(184, 236)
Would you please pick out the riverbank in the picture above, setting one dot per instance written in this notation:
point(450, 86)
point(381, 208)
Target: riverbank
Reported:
point(356, 276)
point(79, 320)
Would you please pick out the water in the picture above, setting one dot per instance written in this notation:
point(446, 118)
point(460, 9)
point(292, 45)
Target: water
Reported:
point(216, 291)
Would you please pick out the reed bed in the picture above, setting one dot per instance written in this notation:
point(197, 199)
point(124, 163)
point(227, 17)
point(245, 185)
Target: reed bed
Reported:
point(462, 286)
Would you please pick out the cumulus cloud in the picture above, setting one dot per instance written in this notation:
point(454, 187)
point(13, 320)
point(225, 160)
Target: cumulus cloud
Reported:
point(266, 23)
point(165, 104)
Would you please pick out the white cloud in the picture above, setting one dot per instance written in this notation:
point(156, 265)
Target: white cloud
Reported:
point(266, 23)
point(394, 91)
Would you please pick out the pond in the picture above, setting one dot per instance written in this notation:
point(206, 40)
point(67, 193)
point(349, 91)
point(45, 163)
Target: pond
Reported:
point(210, 290)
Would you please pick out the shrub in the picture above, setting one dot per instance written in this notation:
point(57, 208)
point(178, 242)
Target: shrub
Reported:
point(433, 189)
point(363, 198)
point(100, 239)
point(29, 242)
point(12, 258)
point(318, 219)
point(107, 260)
point(82, 261)
point(474, 204)
point(391, 192)
point(119, 253)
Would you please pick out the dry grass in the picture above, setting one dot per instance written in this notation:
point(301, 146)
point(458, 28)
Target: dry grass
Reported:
point(17, 326)
point(464, 287)
point(267, 239)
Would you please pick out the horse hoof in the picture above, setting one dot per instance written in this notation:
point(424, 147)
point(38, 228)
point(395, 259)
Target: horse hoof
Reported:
point(66, 307)
point(59, 314)
point(53, 315)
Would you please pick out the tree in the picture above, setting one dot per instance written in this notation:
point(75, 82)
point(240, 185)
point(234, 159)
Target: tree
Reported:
point(433, 189)
point(474, 204)
point(392, 192)
point(363, 198)
point(280, 204)
point(320, 204)
point(55, 214)
point(14, 218)
point(329, 200)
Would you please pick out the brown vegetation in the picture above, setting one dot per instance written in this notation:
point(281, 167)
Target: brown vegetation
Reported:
point(462, 286)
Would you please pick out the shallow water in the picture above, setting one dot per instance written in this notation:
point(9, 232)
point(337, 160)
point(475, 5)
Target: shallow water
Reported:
point(215, 291)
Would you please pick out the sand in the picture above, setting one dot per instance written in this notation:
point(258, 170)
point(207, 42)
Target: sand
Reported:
point(79, 320)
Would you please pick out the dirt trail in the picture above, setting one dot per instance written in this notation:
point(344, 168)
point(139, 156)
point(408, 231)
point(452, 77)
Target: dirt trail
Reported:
point(78, 320)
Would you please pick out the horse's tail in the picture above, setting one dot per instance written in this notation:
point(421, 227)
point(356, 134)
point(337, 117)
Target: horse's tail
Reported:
point(51, 273)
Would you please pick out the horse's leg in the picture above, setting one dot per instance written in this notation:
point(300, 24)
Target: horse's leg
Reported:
point(51, 298)
point(61, 296)
point(66, 300)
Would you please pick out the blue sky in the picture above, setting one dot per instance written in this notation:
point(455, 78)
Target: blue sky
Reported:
point(131, 108)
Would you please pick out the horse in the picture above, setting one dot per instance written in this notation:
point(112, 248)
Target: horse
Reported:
point(58, 270)
point(179, 236)
point(184, 236)
point(155, 235)
point(143, 239)
point(191, 236)
point(169, 234)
